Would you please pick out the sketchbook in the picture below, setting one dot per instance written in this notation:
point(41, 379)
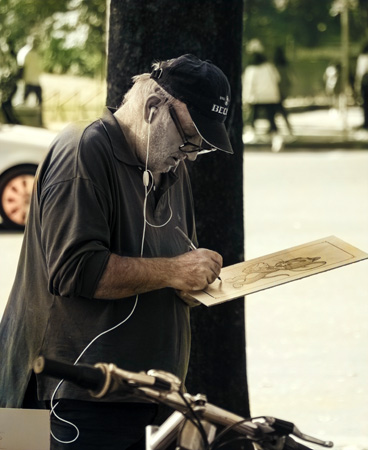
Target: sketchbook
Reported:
point(278, 268)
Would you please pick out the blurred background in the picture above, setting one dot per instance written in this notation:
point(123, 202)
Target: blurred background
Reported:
point(70, 38)
point(313, 34)
point(71, 42)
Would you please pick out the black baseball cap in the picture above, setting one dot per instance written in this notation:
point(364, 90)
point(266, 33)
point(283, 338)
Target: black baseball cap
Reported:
point(205, 90)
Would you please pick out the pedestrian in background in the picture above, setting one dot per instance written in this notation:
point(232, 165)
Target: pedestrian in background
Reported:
point(260, 89)
point(361, 82)
point(283, 67)
point(261, 92)
point(30, 64)
point(332, 79)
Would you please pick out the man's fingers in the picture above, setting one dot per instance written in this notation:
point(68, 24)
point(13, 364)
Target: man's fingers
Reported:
point(198, 269)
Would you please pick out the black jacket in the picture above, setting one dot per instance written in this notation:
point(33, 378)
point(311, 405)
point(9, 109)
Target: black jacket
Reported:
point(88, 203)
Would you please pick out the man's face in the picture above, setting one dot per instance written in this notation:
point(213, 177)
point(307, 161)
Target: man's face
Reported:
point(164, 153)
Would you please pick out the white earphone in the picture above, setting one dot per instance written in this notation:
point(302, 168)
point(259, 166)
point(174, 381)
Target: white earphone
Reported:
point(146, 182)
point(146, 177)
point(152, 112)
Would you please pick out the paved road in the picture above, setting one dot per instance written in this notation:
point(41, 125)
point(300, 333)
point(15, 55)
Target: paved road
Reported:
point(307, 340)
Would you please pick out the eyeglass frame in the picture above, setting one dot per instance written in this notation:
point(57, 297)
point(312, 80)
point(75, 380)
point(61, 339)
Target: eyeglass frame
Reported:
point(197, 148)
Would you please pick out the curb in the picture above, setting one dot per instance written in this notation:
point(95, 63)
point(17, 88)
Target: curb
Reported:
point(312, 142)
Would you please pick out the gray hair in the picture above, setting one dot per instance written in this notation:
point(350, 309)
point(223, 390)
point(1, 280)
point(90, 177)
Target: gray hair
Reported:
point(143, 87)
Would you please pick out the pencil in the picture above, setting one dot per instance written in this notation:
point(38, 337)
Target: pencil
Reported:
point(188, 241)
point(186, 238)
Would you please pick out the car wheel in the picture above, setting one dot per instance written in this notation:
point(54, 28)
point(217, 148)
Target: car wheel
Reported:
point(15, 195)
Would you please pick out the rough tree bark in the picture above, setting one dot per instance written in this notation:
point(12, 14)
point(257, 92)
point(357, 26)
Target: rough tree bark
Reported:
point(142, 31)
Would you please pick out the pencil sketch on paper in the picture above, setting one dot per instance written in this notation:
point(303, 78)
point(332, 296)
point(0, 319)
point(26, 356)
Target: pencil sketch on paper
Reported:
point(263, 270)
point(278, 268)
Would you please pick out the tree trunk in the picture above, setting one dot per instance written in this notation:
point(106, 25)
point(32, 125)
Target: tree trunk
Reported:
point(142, 31)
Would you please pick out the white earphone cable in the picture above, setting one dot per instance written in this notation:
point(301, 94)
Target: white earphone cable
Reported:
point(148, 189)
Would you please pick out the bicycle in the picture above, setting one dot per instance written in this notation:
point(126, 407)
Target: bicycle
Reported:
point(194, 421)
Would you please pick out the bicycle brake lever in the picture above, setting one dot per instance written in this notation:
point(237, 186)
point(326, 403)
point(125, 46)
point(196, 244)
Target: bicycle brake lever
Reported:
point(285, 428)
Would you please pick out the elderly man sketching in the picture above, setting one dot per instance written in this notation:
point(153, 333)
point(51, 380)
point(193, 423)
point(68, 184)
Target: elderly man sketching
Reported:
point(103, 271)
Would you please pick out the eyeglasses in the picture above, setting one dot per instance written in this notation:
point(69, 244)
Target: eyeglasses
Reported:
point(186, 146)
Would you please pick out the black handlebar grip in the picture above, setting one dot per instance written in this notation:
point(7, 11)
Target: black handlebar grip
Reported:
point(83, 375)
point(290, 444)
point(283, 427)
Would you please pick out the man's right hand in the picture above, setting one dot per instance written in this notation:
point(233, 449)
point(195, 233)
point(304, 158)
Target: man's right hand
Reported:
point(195, 270)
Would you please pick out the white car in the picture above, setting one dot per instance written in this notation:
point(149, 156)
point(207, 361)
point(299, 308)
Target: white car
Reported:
point(22, 148)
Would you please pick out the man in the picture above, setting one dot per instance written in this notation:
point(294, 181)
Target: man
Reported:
point(103, 271)
point(30, 68)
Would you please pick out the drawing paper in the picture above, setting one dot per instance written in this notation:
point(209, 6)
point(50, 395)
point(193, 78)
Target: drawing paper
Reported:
point(278, 268)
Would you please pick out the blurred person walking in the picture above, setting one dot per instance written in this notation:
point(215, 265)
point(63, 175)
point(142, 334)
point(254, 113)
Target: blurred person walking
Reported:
point(30, 64)
point(283, 67)
point(332, 79)
point(361, 82)
point(261, 93)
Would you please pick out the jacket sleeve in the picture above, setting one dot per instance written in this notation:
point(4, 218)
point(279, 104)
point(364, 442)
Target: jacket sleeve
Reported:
point(75, 214)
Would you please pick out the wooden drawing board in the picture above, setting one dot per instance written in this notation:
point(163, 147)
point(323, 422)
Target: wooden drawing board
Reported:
point(278, 268)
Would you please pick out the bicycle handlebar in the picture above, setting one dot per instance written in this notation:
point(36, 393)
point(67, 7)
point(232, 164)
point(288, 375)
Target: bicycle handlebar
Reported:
point(97, 379)
point(159, 386)
point(85, 376)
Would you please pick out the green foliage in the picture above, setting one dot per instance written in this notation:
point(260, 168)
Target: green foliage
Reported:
point(72, 32)
point(21, 18)
point(301, 23)
point(310, 32)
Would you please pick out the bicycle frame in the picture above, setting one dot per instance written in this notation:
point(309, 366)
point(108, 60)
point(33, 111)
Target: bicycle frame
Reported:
point(160, 437)
point(194, 420)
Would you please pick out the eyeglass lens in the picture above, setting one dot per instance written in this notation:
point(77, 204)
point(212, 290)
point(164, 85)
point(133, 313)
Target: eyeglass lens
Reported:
point(186, 146)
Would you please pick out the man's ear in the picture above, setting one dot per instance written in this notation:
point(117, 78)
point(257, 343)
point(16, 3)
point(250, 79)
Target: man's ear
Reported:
point(151, 106)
